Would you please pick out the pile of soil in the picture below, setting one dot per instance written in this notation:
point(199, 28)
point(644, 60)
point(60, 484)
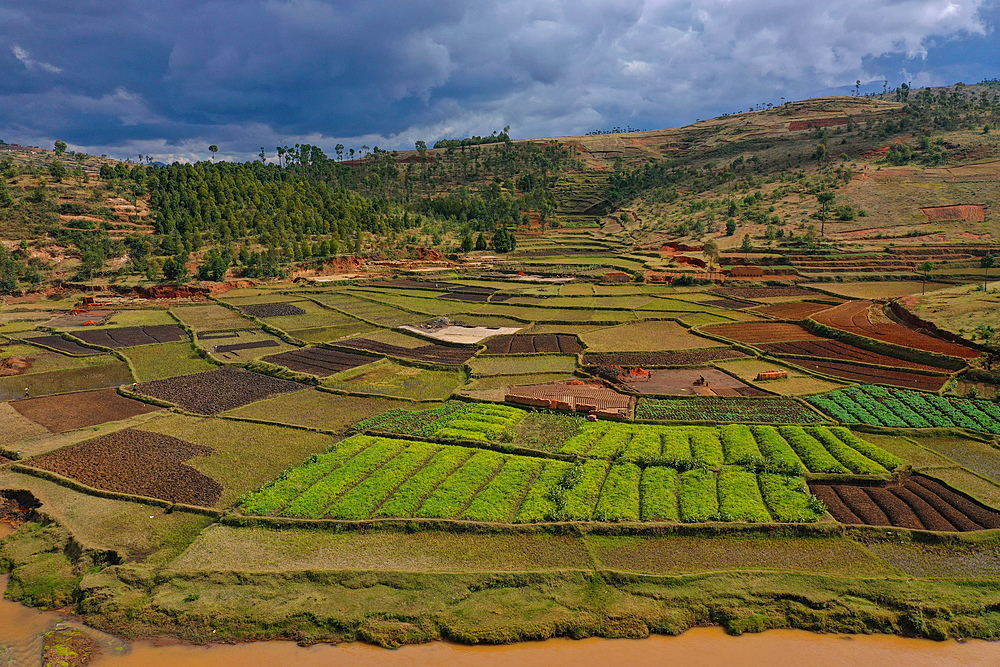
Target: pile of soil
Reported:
point(15, 365)
point(138, 463)
point(216, 391)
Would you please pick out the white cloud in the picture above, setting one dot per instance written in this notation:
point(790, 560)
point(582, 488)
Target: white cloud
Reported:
point(30, 63)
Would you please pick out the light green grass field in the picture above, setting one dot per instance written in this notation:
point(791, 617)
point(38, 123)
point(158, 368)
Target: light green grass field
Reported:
point(387, 378)
point(166, 360)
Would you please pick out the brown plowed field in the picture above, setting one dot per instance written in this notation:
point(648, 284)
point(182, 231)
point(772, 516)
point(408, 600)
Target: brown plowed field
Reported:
point(216, 391)
point(760, 332)
point(834, 349)
point(272, 310)
point(792, 310)
point(854, 317)
point(63, 345)
point(682, 382)
point(731, 304)
point(224, 349)
point(530, 344)
point(66, 412)
point(137, 463)
point(132, 336)
point(651, 359)
point(439, 354)
point(319, 361)
point(762, 292)
point(871, 375)
point(919, 502)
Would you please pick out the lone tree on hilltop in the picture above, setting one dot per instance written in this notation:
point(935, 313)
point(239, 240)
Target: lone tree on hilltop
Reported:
point(213, 149)
point(60, 147)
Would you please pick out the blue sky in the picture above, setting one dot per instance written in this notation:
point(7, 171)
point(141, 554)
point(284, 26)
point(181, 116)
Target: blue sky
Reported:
point(168, 78)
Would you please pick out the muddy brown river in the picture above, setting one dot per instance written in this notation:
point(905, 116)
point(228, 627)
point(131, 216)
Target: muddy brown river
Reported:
point(21, 629)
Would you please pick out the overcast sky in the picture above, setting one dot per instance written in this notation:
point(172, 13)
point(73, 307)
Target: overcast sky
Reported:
point(167, 78)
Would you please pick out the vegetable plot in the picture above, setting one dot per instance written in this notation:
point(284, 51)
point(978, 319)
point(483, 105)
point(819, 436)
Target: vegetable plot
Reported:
point(901, 408)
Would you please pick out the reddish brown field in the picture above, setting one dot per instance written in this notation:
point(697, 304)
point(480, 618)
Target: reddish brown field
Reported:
point(872, 375)
point(855, 317)
point(541, 343)
point(66, 412)
point(762, 292)
point(760, 332)
point(136, 463)
point(792, 310)
point(833, 349)
point(212, 392)
point(919, 502)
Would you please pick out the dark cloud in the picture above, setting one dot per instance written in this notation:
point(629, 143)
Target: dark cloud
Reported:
point(168, 77)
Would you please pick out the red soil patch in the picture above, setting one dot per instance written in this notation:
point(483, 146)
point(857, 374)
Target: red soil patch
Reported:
point(137, 463)
point(855, 317)
point(966, 212)
point(760, 332)
point(576, 396)
point(919, 503)
point(685, 382)
point(794, 310)
point(66, 412)
point(820, 122)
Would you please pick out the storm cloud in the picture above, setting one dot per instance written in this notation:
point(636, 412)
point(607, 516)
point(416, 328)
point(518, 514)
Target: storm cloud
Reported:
point(167, 78)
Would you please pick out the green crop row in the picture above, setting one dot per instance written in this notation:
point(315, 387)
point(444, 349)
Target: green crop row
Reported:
point(619, 499)
point(850, 458)
point(539, 503)
point(361, 501)
point(292, 484)
point(409, 496)
point(658, 490)
point(739, 445)
point(739, 496)
point(812, 452)
point(698, 496)
point(449, 500)
point(498, 501)
point(788, 449)
point(789, 500)
point(382, 477)
point(313, 503)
